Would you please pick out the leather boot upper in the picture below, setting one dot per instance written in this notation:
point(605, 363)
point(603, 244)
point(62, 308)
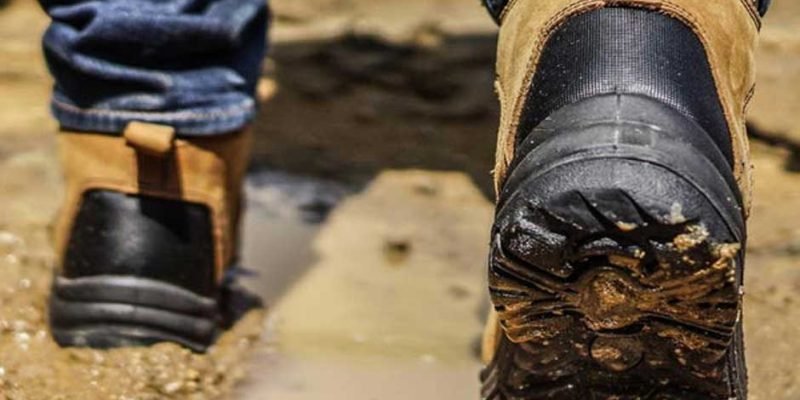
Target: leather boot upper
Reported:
point(134, 199)
point(497, 7)
point(727, 29)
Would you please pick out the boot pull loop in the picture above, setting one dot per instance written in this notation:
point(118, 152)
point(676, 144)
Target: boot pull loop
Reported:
point(152, 139)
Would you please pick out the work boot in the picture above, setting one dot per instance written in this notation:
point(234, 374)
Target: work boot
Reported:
point(623, 186)
point(145, 235)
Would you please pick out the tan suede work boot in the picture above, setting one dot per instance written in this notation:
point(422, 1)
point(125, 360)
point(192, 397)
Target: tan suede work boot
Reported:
point(623, 186)
point(144, 237)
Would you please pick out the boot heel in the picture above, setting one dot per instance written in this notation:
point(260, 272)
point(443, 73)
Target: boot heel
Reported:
point(616, 267)
point(145, 236)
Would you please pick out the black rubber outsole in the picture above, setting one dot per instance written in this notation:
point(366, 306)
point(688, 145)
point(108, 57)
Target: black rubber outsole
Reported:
point(118, 311)
point(616, 262)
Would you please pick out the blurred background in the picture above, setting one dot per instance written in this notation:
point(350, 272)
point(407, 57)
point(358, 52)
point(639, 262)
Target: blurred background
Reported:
point(369, 210)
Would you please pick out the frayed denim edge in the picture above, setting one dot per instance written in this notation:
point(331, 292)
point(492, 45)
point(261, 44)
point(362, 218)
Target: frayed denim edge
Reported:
point(192, 122)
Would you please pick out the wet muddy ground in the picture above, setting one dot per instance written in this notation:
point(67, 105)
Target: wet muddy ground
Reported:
point(369, 206)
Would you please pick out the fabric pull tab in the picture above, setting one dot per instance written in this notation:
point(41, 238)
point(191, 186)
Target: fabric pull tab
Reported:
point(157, 140)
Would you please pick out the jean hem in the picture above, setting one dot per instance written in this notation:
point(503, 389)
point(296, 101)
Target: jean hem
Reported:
point(206, 121)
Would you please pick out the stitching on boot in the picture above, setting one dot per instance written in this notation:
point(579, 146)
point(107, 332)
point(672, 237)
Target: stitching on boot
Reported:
point(753, 11)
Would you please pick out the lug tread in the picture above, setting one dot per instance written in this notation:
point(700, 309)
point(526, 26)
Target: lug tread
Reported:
point(605, 295)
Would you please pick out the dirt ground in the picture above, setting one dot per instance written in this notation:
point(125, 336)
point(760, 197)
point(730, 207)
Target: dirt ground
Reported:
point(369, 207)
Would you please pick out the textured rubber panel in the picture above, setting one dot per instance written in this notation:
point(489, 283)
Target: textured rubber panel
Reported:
point(616, 262)
point(629, 51)
point(145, 237)
point(114, 311)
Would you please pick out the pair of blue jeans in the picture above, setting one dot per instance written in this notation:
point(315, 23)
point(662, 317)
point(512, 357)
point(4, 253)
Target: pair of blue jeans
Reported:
point(191, 64)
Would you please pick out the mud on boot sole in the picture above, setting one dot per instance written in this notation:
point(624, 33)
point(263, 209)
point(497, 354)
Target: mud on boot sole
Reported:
point(116, 311)
point(615, 265)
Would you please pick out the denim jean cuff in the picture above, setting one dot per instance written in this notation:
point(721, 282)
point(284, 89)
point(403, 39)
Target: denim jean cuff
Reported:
point(201, 121)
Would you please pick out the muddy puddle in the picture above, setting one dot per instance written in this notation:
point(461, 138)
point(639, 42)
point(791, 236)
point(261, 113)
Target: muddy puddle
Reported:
point(285, 213)
point(319, 340)
point(33, 367)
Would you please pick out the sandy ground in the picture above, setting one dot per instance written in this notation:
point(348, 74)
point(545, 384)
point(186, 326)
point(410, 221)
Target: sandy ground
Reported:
point(367, 223)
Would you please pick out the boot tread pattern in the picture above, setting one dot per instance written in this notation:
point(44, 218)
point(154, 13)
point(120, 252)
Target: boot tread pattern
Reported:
point(605, 296)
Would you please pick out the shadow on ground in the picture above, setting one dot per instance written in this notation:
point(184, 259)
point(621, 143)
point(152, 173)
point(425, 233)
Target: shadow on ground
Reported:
point(351, 107)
